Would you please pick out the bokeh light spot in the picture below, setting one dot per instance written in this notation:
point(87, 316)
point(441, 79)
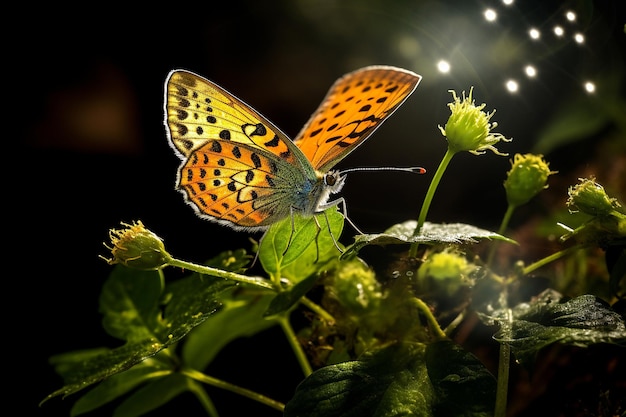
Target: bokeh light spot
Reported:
point(443, 66)
point(530, 71)
point(512, 86)
point(590, 87)
point(579, 38)
point(490, 15)
point(534, 33)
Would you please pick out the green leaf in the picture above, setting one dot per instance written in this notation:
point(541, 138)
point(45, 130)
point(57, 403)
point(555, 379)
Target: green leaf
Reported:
point(153, 395)
point(391, 382)
point(241, 316)
point(306, 242)
point(191, 301)
point(431, 233)
point(463, 386)
point(129, 302)
point(284, 300)
point(581, 321)
point(231, 260)
point(120, 384)
point(400, 380)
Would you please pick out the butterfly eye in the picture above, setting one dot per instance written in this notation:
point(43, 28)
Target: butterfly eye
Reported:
point(330, 179)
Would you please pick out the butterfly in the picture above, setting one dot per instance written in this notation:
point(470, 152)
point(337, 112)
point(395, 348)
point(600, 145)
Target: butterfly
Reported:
point(240, 170)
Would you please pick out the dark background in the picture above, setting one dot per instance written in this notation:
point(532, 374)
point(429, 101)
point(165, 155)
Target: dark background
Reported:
point(85, 98)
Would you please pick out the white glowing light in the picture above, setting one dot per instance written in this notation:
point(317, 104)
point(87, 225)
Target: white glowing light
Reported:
point(570, 15)
point(530, 71)
point(512, 86)
point(590, 87)
point(490, 15)
point(534, 33)
point(579, 38)
point(558, 31)
point(507, 2)
point(443, 66)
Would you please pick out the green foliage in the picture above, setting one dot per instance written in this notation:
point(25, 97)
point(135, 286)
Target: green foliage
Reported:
point(406, 379)
point(389, 355)
point(306, 240)
point(430, 233)
point(130, 305)
point(375, 342)
point(392, 381)
point(581, 321)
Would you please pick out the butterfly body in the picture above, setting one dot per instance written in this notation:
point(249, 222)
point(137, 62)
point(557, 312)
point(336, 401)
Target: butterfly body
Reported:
point(240, 170)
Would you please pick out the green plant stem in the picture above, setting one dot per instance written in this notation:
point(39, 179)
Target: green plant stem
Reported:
point(199, 376)
point(198, 390)
point(504, 362)
point(454, 323)
point(207, 270)
point(506, 219)
point(432, 322)
point(295, 345)
point(429, 197)
point(503, 225)
point(536, 265)
point(317, 309)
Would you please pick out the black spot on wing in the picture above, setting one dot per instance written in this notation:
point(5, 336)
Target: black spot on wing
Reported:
point(256, 160)
point(272, 143)
point(216, 147)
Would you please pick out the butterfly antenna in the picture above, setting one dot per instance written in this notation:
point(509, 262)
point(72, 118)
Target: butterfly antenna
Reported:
point(413, 170)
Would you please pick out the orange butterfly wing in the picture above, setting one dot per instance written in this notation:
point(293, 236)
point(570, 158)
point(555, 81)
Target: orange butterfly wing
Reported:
point(353, 108)
point(198, 110)
point(238, 168)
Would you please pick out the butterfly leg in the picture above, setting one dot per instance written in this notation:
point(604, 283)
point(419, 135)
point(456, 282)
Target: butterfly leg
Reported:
point(330, 232)
point(293, 230)
point(319, 229)
point(317, 233)
point(256, 255)
point(341, 201)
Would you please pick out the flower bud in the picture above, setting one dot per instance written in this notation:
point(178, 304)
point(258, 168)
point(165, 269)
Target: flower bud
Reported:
point(445, 271)
point(528, 175)
point(355, 287)
point(468, 127)
point(137, 247)
point(590, 198)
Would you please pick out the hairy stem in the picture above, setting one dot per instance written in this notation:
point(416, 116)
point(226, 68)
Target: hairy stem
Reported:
point(207, 270)
point(504, 361)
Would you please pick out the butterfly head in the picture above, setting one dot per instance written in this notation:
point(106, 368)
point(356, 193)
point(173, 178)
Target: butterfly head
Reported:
point(334, 181)
point(316, 198)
